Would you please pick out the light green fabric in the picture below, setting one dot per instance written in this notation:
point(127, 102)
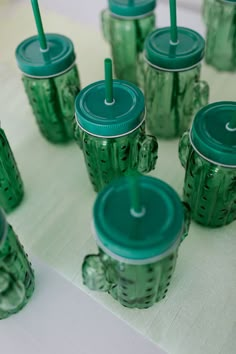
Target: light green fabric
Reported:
point(54, 220)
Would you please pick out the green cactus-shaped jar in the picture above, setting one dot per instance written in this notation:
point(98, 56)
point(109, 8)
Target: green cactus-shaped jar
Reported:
point(51, 82)
point(16, 274)
point(11, 185)
point(206, 6)
point(172, 85)
point(137, 256)
point(208, 154)
point(220, 18)
point(125, 26)
point(112, 136)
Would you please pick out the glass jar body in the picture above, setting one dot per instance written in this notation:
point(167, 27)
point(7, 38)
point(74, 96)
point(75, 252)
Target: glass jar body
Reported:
point(134, 286)
point(126, 38)
point(108, 158)
point(16, 276)
point(209, 189)
point(220, 18)
point(52, 100)
point(206, 6)
point(172, 98)
point(11, 185)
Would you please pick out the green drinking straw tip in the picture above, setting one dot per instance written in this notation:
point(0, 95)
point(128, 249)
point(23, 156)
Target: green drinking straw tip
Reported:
point(109, 99)
point(232, 123)
point(39, 25)
point(137, 210)
point(173, 23)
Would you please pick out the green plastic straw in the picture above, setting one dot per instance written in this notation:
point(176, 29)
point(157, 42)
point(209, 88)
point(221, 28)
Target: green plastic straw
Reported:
point(232, 123)
point(173, 22)
point(39, 25)
point(136, 206)
point(108, 81)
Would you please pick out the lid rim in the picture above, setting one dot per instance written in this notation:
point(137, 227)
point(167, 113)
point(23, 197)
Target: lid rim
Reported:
point(137, 261)
point(99, 119)
point(172, 70)
point(207, 138)
point(112, 136)
point(137, 17)
point(50, 76)
point(159, 52)
point(35, 63)
point(230, 2)
point(207, 158)
point(137, 9)
point(159, 236)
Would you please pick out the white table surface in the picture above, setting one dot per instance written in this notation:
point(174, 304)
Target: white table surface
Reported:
point(53, 222)
point(62, 319)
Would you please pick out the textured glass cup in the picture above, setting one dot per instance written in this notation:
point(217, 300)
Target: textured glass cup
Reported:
point(51, 83)
point(11, 185)
point(112, 137)
point(126, 35)
point(109, 158)
point(136, 260)
point(172, 86)
point(206, 6)
point(134, 286)
point(176, 95)
point(52, 100)
point(221, 32)
point(210, 183)
point(16, 274)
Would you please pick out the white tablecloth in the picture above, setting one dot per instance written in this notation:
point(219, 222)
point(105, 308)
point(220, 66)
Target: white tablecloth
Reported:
point(198, 315)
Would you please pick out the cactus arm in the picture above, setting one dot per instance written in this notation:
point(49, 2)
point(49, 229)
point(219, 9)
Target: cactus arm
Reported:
point(94, 274)
point(148, 148)
point(105, 25)
point(184, 148)
point(201, 94)
point(12, 291)
point(187, 220)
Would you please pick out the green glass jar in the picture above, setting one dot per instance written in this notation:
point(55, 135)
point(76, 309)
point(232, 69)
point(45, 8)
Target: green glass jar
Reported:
point(51, 83)
point(208, 154)
point(125, 26)
point(11, 185)
point(206, 6)
point(220, 18)
point(137, 256)
point(172, 85)
point(112, 136)
point(16, 274)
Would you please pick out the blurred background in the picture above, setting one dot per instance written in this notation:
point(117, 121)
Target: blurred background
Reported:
point(86, 10)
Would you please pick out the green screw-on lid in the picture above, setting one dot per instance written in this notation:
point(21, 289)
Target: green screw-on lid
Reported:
point(3, 227)
point(211, 134)
point(58, 58)
point(161, 53)
point(131, 8)
point(233, 2)
point(121, 117)
point(138, 239)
